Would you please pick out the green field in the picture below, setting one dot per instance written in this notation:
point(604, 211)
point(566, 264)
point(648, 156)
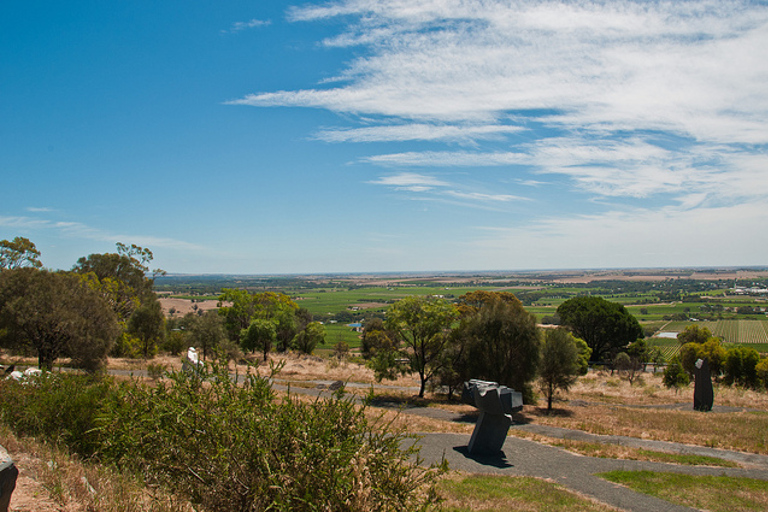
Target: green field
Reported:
point(659, 305)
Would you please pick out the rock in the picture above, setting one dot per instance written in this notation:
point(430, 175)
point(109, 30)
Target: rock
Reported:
point(335, 386)
point(8, 474)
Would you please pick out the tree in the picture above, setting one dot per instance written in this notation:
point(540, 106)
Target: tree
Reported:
point(239, 307)
point(559, 367)
point(261, 334)
point(470, 303)
point(206, 332)
point(694, 334)
point(711, 350)
point(18, 253)
point(56, 315)
point(422, 325)
point(761, 370)
point(584, 353)
point(605, 326)
point(501, 344)
point(376, 338)
point(310, 337)
point(147, 323)
point(675, 375)
point(120, 277)
point(740, 366)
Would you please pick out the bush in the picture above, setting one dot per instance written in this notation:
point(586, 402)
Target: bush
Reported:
point(740, 366)
point(60, 407)
point(762, 372)
point(675, 375)
point(227, 446)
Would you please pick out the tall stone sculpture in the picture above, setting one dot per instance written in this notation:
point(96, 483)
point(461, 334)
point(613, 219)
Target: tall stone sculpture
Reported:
point(496, 404)
point(703, 394)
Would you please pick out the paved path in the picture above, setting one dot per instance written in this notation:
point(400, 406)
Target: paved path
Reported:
point(528, 458)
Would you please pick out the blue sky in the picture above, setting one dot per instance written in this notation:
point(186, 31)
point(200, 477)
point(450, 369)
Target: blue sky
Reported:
point(387, 135)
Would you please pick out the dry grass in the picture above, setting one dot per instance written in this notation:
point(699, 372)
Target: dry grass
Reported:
point(649, 390)
point(612, 451)
point(52, 481)
point(413, 423)
point(741, 431)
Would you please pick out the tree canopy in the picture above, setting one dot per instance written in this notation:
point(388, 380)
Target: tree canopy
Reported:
point(499, 342)
point(19, 253)
point(121, 277)
point(55, 314)
point(422, 325)
point(605, 326)
point(559, 367)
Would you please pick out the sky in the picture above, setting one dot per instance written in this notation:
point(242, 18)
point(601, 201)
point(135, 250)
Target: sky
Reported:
point(271, 137)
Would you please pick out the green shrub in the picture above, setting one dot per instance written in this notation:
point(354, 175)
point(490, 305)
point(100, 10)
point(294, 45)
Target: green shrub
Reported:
point(230, 447)
point(675, 375)
point(60, 407)
point(227, 446)
point(762, 372)
point(740, 366)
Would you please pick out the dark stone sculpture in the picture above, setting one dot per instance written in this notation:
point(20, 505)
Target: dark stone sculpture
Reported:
point(496, 403)
point(703, 395)
point(8, 474)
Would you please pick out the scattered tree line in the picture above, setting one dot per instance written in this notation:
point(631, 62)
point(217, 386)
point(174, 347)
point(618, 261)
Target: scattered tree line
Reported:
point(106, 305)
point(735, 365)
point(484, 335)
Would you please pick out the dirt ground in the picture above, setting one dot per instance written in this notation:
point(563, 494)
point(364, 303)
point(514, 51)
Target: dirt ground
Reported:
point(183, 306)
point(30, 495)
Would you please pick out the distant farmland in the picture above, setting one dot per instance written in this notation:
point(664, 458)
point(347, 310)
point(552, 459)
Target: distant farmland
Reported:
point(730, 331)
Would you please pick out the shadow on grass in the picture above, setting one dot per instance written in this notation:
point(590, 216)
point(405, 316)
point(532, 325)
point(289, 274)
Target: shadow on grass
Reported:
point(497, 460)
point(394, 401)
point(470, 417)
point(399, 400)
point(530, 414)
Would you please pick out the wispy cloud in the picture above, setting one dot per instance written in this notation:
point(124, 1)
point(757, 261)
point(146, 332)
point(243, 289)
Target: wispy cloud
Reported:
point(430, 187)
point(417, 131)
point(410, 181)
point(239, 26)
point(448, 159)
point(660, 101)
point(603, 240)
point(38, 209)
point(69, 229)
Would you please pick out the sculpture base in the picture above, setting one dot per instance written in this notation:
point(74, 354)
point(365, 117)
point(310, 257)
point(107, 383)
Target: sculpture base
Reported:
point(489, 434)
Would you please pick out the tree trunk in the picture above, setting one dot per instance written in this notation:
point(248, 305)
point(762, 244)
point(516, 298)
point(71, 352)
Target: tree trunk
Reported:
point(45, 359)
point(550, 394)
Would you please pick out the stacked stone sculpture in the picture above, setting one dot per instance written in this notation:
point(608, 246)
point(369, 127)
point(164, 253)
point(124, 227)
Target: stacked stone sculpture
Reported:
point(496, 404)
point(8, 474)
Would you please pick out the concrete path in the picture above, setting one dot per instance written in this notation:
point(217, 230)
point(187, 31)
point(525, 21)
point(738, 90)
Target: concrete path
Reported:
point(528, 458)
